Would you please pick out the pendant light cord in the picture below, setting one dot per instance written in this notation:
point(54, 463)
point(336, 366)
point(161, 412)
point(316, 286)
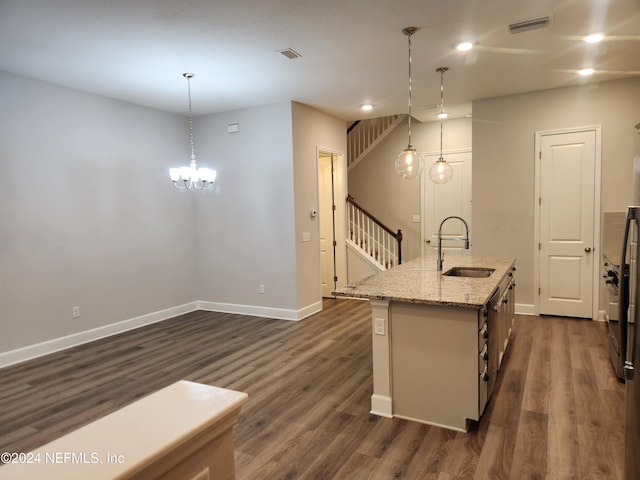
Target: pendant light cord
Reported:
point(188, 77)
point(441, 70)
point(409, 35)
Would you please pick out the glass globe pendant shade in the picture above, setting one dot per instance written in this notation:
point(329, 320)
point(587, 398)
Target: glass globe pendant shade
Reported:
point(409, 163)
point(440, 172)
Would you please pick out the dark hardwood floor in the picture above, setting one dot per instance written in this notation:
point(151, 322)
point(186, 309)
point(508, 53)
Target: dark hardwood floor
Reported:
point(556, 412)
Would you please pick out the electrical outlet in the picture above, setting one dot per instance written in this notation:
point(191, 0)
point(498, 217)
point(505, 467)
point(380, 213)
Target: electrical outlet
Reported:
point(261, 289)
point(76, 312)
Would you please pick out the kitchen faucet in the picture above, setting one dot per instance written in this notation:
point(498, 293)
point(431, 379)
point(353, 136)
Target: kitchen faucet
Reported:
point(440, 238)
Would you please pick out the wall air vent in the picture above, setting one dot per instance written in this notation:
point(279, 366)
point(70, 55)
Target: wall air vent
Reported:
point(533, 24)
point(290, 53)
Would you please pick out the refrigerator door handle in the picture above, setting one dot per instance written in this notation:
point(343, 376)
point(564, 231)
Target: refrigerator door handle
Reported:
point(623, 299)
point(628, 326)
point(628, 370)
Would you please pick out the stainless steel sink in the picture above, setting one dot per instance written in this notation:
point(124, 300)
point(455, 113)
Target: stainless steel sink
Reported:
point(475, 272)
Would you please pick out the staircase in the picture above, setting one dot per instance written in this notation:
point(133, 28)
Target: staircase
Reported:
point(364, 135)
point(371, 238)
point(380, 246)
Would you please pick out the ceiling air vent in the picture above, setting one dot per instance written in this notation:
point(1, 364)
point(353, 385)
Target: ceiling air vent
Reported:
point(533, 24)
point(290, 53)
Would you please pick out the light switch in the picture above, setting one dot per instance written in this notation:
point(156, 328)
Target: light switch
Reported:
point(306, 236)
point(379, 326)
point(416, 219)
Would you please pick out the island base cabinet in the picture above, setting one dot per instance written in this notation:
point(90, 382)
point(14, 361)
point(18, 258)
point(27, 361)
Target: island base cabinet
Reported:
point(434, 364)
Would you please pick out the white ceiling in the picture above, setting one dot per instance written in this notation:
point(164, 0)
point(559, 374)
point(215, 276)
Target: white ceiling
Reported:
point(353, 51)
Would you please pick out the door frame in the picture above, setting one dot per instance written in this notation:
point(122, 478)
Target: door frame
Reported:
point(339, 218)
point(595, 281)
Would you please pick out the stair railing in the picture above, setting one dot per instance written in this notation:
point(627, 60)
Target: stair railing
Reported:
point(364, 135)
point(371, 235)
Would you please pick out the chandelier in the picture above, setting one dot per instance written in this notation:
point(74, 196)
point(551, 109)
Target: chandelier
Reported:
point(409, 162)
point(441, 171)
point(192, 177)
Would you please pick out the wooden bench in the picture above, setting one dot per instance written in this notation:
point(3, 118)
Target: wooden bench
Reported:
point(184, 431)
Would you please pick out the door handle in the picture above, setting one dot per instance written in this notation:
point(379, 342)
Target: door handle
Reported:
point(628, 370)
point(587, 249)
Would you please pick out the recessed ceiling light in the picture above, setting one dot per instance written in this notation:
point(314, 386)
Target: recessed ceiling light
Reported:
point(594, 38)
point(442, 115)
point(366, 107)
point(585, 72)
point(464, 46)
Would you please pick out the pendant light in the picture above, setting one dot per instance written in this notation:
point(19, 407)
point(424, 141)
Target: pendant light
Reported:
point(441, 171)
point(192, 177)
point(409, 162)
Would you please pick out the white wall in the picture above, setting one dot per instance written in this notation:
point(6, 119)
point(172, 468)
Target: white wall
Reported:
point(87, 215)
point(89, 218)
point(375, 185)
point(503, 163)
point(250, 230)
point(312, 130)
point(245, 229)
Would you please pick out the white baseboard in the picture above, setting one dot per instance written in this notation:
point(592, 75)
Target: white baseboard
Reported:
point(310, 310)
point(525, 309)
point(381, 405)
point(50, 346)
point(258, 311)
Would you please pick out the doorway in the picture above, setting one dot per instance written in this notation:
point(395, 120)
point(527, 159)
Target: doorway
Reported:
point(331, 213)
point(567, 169)
point(442, 201)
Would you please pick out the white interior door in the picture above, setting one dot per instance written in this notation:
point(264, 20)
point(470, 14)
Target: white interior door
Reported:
point(327, 225)
point(442, 201)
point(566, 230)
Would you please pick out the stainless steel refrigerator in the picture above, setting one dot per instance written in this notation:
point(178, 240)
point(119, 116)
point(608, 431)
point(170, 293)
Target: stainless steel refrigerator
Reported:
point(629, 321)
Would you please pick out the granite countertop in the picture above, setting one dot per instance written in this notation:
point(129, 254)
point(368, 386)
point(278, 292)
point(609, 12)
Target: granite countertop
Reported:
point(418, 281)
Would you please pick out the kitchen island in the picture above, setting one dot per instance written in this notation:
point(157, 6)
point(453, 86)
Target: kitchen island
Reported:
point(438, 340)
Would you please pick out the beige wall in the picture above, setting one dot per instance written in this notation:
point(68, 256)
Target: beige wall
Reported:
point(394, 200)
point(503, 163)
point(501, 136)
point(311, 130)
